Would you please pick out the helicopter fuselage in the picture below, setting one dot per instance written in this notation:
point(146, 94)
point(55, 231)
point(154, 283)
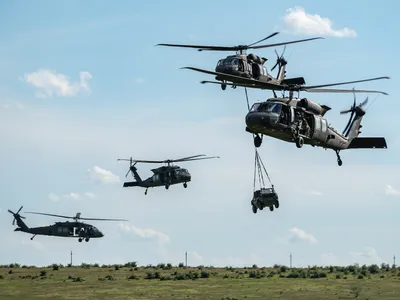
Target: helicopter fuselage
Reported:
point(66, 229)
point(287, 120)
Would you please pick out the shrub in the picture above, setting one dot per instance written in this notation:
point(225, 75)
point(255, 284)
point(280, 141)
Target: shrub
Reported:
point(43, 273)
point(373, 269)
point(338, 276)
point(181, 265)
point(283, 269)
point(133, 277)
point(204, 274)
point(55, 267)
point(293, 275)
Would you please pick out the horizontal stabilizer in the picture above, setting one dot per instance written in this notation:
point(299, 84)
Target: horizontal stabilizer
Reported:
point(294, 81)
point(368, 143)
point(132, 183)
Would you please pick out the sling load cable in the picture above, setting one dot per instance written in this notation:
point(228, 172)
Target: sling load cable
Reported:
point(257, 167)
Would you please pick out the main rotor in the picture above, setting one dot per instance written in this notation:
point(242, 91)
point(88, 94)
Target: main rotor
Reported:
point(240, 49)
point(167, 161)
point(77, 217)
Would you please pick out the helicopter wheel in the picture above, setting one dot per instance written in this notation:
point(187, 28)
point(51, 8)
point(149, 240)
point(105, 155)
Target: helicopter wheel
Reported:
point(277, 204)
point(185, 185)
point(271, 208)
point(80, 240)
point(254, 209)
point(299, 142)
point(167, 186)
point(86, 239)
point(223, 86)
point(257, 141)
point(339, 161)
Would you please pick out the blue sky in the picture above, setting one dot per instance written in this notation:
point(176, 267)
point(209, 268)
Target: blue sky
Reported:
point(81, 84)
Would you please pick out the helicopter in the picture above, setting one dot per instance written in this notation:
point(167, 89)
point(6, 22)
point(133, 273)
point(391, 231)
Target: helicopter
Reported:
point(241, 66)
point(163, 176)
point(75, 229)
point(302, 121)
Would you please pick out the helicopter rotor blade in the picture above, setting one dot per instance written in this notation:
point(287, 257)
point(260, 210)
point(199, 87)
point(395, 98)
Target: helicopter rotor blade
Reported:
point(52, 215)
point(266, 38)
point(342, 91)
point(197, 159)
point(364, 102)
point(284, 43)
point(340, 83)
point(239, 47)
point(98, 219)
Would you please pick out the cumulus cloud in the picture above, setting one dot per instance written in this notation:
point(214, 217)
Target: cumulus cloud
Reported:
point(298, 21)
point(194, 255)
point(368, 256)
point(390, 191)
point(145, 233)
point(297, 234)
point(49, 83)
point(72, 195)
point(102, 175)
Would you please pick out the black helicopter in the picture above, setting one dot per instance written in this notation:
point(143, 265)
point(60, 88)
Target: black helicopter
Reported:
point(163, 176)
point(244, 69)
point(302, 121)
point(75, 229)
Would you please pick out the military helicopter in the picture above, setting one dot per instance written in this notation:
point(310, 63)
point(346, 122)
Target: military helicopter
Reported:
point(163, 176)
point(302, 121)
point(75, 229)
point(244, 69)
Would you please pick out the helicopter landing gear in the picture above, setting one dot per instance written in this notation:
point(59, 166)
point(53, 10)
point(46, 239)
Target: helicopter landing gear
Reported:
point(257, 141)
point(185, 185)
point(145, 192)
point(299, 142)
point(87, 239)
point(339, 161)
point(33, 237)
point(271, 208)
point(80, 240)
point(277, 204)
point(254, 209)
point(233, 86)
point(223, 86)
point(167, 186)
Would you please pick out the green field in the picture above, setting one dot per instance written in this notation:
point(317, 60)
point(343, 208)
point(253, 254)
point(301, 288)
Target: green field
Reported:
point(169, 282)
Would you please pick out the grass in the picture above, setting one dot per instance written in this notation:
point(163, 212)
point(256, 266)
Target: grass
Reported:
point(169, 282)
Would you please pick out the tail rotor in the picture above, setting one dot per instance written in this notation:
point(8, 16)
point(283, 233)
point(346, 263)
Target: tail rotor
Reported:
point(16, 215)
point(132, 167)
point(279, 59)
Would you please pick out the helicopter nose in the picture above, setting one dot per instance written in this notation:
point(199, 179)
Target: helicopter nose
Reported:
point(101, 234)
point(259, 119)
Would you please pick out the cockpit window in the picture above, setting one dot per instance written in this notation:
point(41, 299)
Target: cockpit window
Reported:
point(230, 61)
point(270, 107)
point(255, 107)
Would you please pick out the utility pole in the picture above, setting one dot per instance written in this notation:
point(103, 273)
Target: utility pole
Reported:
point(186, 258)
point(71, 258)
point(290, 260)
point(394, 261)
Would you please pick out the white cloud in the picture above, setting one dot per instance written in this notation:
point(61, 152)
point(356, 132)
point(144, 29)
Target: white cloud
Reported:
point(297, 234)
point(49, 83)
point(298, 21)
point(102, 175)
point(369, 256)
point(54, 197)
point(195, 255)
point(90, 195)
point(389, 190)
point(72, 195)
point(145, 233)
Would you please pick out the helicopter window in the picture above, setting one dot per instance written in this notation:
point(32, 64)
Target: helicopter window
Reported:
point(255, 107)
point(317, 123)
point(323, 122)
point(271, 107)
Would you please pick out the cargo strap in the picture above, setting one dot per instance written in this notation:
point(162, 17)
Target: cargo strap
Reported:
point(257, 167)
